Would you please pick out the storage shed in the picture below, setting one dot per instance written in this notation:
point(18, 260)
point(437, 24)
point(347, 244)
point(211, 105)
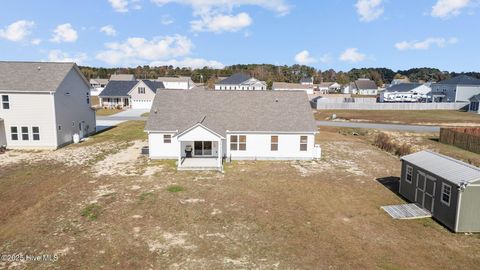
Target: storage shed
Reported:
point(448, 188)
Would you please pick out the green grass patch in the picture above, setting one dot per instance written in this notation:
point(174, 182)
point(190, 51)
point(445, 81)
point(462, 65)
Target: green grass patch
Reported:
point(145, 114)
point(175, 189)
point(146, 196)
point(91, 211)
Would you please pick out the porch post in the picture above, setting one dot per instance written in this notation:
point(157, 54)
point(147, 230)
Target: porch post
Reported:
point(220, 153)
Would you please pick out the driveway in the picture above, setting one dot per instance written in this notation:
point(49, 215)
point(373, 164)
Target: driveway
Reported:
point(105, 122)
point(394, 127)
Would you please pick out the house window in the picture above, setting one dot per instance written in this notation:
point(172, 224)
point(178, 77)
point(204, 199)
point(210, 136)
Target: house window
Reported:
point(274, 143)
point(409, 176)
point(59, 127)
point(24, 133)
point(14, 133)
point(5, 102)
point(141, 90)
point(238, 143)
point(167, 138)
point(303, 143)
point(73, 123)
point(446, 194)
point(36, 133)
point(88, 98)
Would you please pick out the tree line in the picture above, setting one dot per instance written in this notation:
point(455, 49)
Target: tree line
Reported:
point(273, 73)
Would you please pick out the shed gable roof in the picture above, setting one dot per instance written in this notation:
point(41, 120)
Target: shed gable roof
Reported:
point(222, 111)
point(448, 168)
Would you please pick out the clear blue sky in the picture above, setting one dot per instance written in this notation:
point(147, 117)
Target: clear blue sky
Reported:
point(339, 34)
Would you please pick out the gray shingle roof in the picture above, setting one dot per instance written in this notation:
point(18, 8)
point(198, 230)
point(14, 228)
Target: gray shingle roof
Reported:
point(122, 77)
point(236, 78)
point(118, 88)
point(365, 84)
point(461, 80)
point(283, 85)
point(280, 111)
point(448, 168)
point(403, 87)
point(154, 85)
point(33, 76)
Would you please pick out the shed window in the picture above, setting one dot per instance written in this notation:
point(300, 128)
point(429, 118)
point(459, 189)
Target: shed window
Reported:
point(303, 143)
point(14, 133)
point(167, 138)
point(238, 143)
point(409, 174)
point(274, 143)
point(5, 102)
point(24, 133)
point(446, 193)
point(36, 133)
point(141, 90)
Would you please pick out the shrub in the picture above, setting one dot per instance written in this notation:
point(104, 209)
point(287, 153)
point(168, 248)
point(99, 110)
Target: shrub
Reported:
point(403, 150)
point(383, 142)
point(91, 211)
point(175, 189)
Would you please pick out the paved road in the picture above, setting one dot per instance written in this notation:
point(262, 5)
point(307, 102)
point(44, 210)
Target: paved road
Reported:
point(411, 128)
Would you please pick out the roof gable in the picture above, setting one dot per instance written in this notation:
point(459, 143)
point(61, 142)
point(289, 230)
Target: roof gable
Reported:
point(198, 132)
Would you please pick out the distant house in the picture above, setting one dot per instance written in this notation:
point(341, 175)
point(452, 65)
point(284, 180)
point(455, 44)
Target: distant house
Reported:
point(334, 87)
point(306, 81)
point(184, 83)
point(448, 188)
point(324, 87)
point(122, 77)
point(233, 125)
point(43, 105)
point(281, 86)
point(361, 87)
point(458, 89)
point(399, 81)
point(405, 92)
point(98, 85)
point(240, 81)
point(130, 94)
point(474, 104)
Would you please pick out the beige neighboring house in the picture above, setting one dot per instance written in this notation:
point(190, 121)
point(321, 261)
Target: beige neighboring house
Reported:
point(282, 86)
point(122, 77)
point(43, 105)
point(143, 93)
point(180, 83)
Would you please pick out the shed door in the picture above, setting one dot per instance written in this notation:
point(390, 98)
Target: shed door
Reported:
point(420, 190)
point(425, 191)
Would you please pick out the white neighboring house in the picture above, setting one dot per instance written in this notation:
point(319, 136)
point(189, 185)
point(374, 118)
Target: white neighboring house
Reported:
point(307, 81)
point(361, 87)
point(129, 94)
point(474, 106)
point(43, 105)
point(233, 125)
point(334, 87)
point(183, 83)
point(281, 86)
point(240, 81)
point(143, 93)
point(458, 89)
point(405, 92)
point(98, 85)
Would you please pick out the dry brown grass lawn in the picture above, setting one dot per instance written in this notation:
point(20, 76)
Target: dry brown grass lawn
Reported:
point(404, 117)
point(258, 215)
point(107, 112)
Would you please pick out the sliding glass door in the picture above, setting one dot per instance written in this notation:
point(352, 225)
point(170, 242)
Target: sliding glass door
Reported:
point(202, 148)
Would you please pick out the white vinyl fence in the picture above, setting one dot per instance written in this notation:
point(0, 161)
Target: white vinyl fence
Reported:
point(391, 106)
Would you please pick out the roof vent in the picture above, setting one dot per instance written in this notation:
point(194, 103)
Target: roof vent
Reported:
point(276, 100)
point(39, 68)
point(155, 111)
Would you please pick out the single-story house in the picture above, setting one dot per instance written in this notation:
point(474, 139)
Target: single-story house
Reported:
point(361, 87)
point(240, 81)
point(474, 104)
point(405, 92)
point(98, 85)
point(448, 188)
point(281, 86)
point(232, 125)
point(129, 94)
point(184, 83)
point(43, 105)
point(458, 89)
point(307, 81)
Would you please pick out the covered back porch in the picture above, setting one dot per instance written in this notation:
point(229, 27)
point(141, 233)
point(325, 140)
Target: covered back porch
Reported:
point(200, 149)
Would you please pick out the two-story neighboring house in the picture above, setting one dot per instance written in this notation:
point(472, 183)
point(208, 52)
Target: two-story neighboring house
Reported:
point(43, 105)
point(458, 89)
point(240, 81)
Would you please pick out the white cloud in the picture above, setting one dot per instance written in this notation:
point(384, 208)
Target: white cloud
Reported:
point(222, 23)
point(64, 33)
point(448, 8)
point(136, 50)
point(119, 5)
point(352, 55)
point(217, 15)
point(17, 31)
point(59, 56)
point(425, 44)
point(369, 10)
point(304, 58)
point(109, 30)
point(36, 41)
point(189, 63)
